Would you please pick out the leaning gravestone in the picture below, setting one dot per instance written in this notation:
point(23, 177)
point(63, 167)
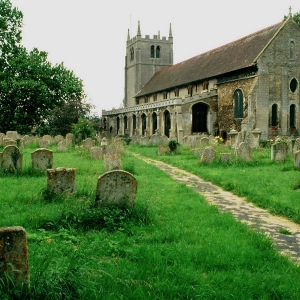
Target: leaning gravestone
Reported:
point(297, 159)
point(116, 188)
point(279, 151)
point(61, 180)
point(42, 159)
point(11, 160)
point(62, 146)
point(112, 159)
point(14, 256)
point(96, 152)
point(208, 155)
point(225, 157)
point(243, 152)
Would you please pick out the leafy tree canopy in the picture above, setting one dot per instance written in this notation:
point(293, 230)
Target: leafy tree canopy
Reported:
point(33, 91)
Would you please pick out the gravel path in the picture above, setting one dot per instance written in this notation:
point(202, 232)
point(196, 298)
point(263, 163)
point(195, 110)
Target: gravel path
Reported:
point(260, 219)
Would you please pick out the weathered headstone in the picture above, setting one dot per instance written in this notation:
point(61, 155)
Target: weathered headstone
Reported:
point(225, 157)
point(163, 150)
point(198, 152)
point(243, 152)
point(119, 145)
point(58, 138)
point(279, 151)
point(96, 152)
point(112, 159)
point(11, 160)
point(208, 155)
point(297, 159)
point(62, 146)
point(12, 135)
point(145, 141)
point(11, 143)
point(14, 256)
point(163, 140)
point(61, 180)
point(42, 159)
point(2, 135)
point(155, 140)
point(204, 141)
point(116, 188)
point(88, 143)
point(44, 143)
point(25, 140)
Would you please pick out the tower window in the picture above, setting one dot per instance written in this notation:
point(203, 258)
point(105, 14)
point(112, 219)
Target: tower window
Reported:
point(238, 104)
point(131, 53)
point(293, 85)
point(152, 52)
point(292, 50)
point(274, 118)
point(157, 52)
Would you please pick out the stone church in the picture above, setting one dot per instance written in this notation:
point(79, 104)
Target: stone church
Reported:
point(249, 84)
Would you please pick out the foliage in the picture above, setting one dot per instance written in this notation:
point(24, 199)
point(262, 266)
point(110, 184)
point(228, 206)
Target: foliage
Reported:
point(83, 129)
point(30, 86)
point(173, 144)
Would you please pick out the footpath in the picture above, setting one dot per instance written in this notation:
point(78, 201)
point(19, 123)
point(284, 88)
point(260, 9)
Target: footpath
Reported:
point(255, 217)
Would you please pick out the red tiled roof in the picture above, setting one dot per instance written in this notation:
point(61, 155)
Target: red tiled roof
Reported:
point(230, 57)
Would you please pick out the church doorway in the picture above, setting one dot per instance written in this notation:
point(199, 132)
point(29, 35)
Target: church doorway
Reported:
point(199, 121)
point(167, 119)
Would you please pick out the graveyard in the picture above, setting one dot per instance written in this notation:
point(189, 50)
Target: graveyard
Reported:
point(167, 243)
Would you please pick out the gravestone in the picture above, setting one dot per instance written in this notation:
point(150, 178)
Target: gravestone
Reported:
point(225, 157)
point(297, 159)
point(58, 138)
point(163, 140)
point(296, 145)
point(11, 143)
point(87, 144)
point(2, 135)
point(42, 159)
point(119, 145)
point(279, 151)
point(155, 140)
point(12, 135)
point(145, 141)
point(11, 160)
point(44, 143)
point(208, 155)
point(163, 150)
point(70, 138)
point(112, 159)
point(204, 141)
point(116, 188)
point(243, 152)
point(104, 142)
point(25, 140)
point(61, 180)
point(62, 146)
point(96, 152)
point(14, 256)
point(198, 152)
point(48, 138)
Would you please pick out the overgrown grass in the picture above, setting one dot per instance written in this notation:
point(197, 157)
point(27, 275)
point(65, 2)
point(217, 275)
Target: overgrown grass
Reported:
point(274, 186)
point(173, 245)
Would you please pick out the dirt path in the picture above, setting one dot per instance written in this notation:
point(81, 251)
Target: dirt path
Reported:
point(261, 220)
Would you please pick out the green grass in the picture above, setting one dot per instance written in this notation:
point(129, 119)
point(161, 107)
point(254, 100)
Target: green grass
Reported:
point(274, 186)
point(173, 245)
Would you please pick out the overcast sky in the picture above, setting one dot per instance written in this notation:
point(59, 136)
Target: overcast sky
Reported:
point(89, 36)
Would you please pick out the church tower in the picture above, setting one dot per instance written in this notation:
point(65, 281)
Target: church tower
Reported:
point(144, 57)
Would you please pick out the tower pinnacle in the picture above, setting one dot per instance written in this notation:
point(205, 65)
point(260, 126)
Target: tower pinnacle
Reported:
point(170, 31)
point(139, 29)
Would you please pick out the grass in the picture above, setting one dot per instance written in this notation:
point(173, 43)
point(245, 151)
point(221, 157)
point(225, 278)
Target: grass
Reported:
point(173, 245)
point(271, 185)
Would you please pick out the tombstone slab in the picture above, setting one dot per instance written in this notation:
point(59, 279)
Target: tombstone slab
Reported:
point(42, 159)
point(116, 188)
point(112, 159)
point(11, 160)
point(14, 255)
point(61, 180)
point(297, 159)
point(208, 155)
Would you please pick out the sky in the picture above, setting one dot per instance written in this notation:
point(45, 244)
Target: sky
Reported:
point(89, 36)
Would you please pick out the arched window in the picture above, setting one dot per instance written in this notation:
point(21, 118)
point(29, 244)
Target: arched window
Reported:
point(104, 123)
point(157, 52)
point(125, 122)
point(144, 124)
point(293, 116)
point(165, 94)
point(154, 122)
point(293, 85)
point(190, 90)
point(238, 104)
point(131, 53)
point(118, 125)
point(292, 50)
point(167, 119)
point(274, 117)
point(152, 52)
point(176, 92)
point(199, 115)
point(205, 85)
point(133, 124)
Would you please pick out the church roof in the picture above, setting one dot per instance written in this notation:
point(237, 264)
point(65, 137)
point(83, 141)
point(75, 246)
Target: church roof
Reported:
point(234, 56)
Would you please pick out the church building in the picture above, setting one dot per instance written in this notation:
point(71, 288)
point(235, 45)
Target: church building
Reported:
point(249, 84)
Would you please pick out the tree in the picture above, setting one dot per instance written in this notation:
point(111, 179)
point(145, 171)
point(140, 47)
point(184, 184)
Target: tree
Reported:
point(31, 88)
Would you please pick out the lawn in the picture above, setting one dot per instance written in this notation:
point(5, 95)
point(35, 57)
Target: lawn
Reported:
point(173, 245)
